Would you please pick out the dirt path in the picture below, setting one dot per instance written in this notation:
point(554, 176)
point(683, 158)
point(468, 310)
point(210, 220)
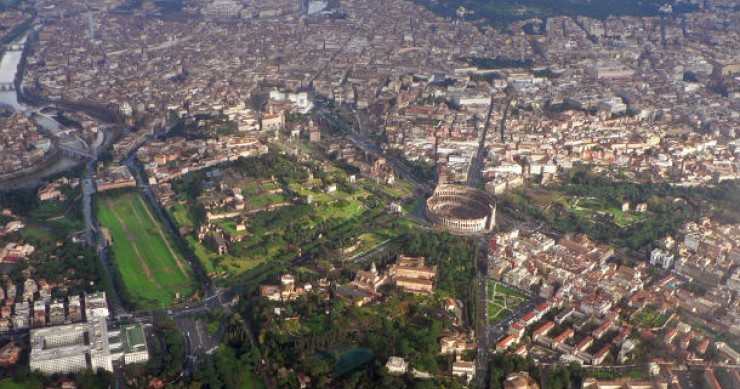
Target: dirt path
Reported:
point(166, 242)
point(130, 236)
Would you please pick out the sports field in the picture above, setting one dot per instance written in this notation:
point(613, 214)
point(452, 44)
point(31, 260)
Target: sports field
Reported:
point(152, 268)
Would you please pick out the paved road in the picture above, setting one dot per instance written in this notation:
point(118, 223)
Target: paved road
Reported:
point(381, 248)
point(96, 239)
point(482, 333)
point(476, 167)
point(198, 341)
point(366, 145)
point(498, 330)
point(220, 299)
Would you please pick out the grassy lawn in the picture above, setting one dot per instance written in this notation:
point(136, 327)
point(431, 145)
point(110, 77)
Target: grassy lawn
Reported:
point(271, 238)
point(180, 215)
point(251, 189)
point(230, 226)
point(369, 240)
point(9, 384)
point(502, 301)
point(215, 263)
point(649, 319)
point(49, 209)
point(399, 190)
point(55, 218)
point(268, 243)
point(587, 208)
point(261, 201)
point(152, 269)
point(252, 382)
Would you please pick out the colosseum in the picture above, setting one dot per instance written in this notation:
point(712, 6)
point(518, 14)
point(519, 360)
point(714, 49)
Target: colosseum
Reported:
point(462, 209)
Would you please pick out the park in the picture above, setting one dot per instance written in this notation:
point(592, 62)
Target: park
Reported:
point(502, 300)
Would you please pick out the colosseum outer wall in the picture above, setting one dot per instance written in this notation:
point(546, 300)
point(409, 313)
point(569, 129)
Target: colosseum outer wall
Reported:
point(462, 209)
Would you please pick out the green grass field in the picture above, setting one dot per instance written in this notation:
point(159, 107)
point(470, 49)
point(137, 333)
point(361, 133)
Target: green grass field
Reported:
point(31, 384)
point(180, 215)
point(589, 207)
point(297, 225)
point(502, 300)
point(649, 319)
point(152, 268)
point(55, 219)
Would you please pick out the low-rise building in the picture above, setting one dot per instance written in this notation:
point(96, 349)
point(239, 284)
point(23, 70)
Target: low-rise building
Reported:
point(9, 354)
point(520, 380)
point(413, 275)
point(464, 369)
point(397, 365)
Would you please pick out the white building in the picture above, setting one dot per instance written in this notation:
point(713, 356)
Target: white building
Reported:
point(661, 258)
point(316, 6)
point(96, 306)
point(222, 9)
point(728, 351)
point(464, 369)
point(86, 346)
point(129, 344)
point(71, 348)
point(301, 100)
point(397, 365)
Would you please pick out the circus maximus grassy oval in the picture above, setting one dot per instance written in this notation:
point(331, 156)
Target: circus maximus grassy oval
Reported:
point(462, 209)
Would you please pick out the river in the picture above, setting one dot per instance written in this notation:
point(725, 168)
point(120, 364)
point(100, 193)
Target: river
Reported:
point(8, 71)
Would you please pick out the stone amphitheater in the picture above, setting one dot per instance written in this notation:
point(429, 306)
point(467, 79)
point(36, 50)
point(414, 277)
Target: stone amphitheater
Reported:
point(462, 209)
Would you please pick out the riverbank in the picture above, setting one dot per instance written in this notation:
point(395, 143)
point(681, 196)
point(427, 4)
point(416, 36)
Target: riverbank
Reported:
point(55, 162)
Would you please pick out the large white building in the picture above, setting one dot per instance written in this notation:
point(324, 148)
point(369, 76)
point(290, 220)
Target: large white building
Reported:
point(71, 348)
point(86, 346)
point(223, 9)
point(301, 100)
point(661, 258)
point(316, 6)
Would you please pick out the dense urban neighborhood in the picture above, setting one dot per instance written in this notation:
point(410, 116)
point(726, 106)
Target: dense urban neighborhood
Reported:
point(370, 193)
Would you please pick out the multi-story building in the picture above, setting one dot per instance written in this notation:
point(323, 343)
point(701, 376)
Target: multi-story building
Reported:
point(133, 344)
point(412, 274)
point(660, 258)
point(96, 306)
point(39, 313)
point(56, 313)
point(21, 317)
point(74, 309)
point(113, 177)
point(86, 346)
point(71, 348)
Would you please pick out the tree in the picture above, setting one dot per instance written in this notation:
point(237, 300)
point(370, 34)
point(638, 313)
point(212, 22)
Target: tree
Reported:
point(258, 101)
point(20, 201)
point(558, 378)
point(208, 375)
point(237, 332)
